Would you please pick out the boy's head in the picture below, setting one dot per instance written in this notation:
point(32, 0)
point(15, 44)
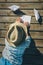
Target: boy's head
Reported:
point(27, 24)
point(16, 33)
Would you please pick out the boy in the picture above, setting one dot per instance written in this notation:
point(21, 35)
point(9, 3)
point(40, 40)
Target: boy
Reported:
point(16, 42)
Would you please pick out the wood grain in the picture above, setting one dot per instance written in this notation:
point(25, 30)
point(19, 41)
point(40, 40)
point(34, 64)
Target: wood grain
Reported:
point(34, 34)
point(32, 26)
point(24, 1)
point(1, 48)
point(8, 17)
point(2, 41)
point(38, 43)
point(12, 19)
point(0, 55)
point(21, 1)
point(2, 0)
point(27, 12)
point(23, 5)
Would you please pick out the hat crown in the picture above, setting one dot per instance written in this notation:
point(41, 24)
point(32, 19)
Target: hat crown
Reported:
point(13, 34)
point(16, 33)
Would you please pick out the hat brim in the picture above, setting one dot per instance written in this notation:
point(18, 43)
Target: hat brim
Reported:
point(16, 24)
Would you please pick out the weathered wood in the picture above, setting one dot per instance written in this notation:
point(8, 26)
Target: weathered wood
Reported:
point(35, 51)
point(27, 12)
point(24, 1)
point(0, 55)
point(7, 19)
point(1, 48)
point(41, 50)
point(23, 5)
point(36, 27)
point(21, 1)
point(2, 34)
point(38, 43)
point(34, 34)
point(12, 19)
point(2, 41)
point(2, 0)
point(32, 26)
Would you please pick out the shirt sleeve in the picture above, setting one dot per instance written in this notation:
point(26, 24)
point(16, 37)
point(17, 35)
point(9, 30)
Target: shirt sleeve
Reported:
point(4, 62)
point(26, 43)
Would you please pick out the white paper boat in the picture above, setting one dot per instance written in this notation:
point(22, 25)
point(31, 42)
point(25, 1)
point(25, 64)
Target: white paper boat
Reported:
point(14, 7)
point(37, 16)
point(26, 18)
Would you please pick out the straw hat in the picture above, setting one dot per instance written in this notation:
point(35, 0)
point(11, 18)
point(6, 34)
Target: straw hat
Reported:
point(16, 33)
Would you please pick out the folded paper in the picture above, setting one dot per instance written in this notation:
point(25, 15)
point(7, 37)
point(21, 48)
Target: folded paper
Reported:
point(26, 18)
point(37, 15)
point(14, 7)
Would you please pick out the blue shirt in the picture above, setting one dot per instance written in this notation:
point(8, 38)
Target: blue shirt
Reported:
point(4, 61)
point(14, 54)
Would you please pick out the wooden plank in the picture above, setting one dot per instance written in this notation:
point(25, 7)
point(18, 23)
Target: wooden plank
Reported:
point(3, 33)
point(32, 26)
point(41, 50)
point(27, 12)
point(38, 43)
point(33, 34)
point(7, 19)
point(2, 0)
point(36, 34)
point(2, 41)
point(0, 55)
point(21, 1)
point(23, 5)
point(12, 19)
point(4, 26)
point(36, 27)
point(1, 48)
point(24, 1)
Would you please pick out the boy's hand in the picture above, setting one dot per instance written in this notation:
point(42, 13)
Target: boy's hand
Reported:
point(27, 24)
point(20, 20)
